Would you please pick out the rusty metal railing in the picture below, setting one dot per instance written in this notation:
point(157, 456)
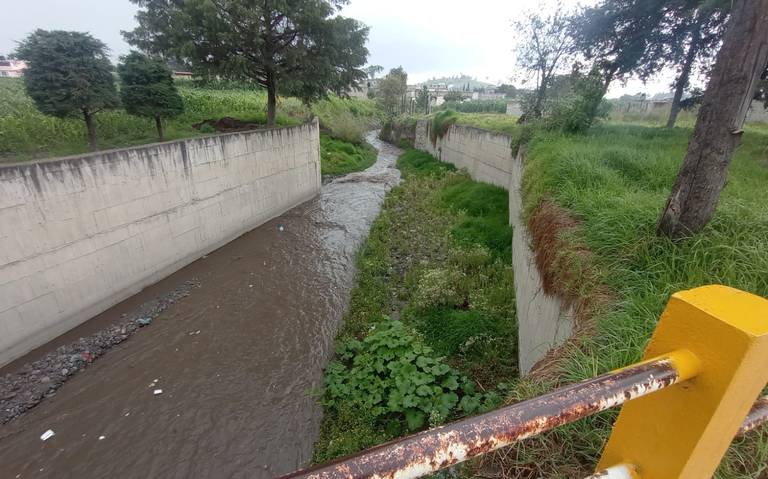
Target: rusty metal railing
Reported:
point(726, 357)
point(442, 447)
point(438, 448)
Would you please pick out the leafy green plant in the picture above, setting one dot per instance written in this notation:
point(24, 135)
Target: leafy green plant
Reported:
point(577, 111)
point(397, 379)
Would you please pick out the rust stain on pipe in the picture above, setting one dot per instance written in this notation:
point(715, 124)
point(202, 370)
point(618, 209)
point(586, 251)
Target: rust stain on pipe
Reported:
point(435, 449)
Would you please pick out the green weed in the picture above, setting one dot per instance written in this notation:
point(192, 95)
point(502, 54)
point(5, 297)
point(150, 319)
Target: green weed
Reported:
point(415, 162)
point(339, 157)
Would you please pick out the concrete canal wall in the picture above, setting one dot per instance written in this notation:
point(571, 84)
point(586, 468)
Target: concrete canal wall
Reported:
point(544, 320)
point(80, 234)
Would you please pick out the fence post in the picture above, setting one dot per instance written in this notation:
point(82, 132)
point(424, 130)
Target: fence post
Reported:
point(683, 432)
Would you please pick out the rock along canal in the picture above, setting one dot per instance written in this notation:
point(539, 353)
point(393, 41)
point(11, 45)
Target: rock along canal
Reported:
point(237, 360)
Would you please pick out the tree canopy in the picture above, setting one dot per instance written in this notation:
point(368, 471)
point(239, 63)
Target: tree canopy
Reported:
point(148, 90)
point(295, 47)
point(641, 37)
point(69, 74)
point(392, 89)
point(548, 45)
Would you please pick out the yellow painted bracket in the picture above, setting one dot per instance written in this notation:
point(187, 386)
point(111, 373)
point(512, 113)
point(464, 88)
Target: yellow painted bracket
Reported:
point(682, 432)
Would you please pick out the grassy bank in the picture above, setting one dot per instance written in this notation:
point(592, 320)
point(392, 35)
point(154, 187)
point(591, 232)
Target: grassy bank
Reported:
point(498, 122)
point(614, 181)
point(430, 332)
point(25, 133)
point(339, 157)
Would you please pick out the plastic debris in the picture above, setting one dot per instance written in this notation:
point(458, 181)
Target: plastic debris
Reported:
point(157, 391)
point(47, 435)
point(144, 321)
point(101, 438)
point(280, 228)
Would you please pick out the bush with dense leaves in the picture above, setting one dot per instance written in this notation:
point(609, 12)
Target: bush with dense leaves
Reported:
point(396, 378)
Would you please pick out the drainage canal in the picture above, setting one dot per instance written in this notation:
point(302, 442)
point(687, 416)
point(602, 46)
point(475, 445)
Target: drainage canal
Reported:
point(220, 384)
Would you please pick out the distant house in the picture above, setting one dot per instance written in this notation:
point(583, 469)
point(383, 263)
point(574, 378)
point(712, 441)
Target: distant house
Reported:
point(12, 68)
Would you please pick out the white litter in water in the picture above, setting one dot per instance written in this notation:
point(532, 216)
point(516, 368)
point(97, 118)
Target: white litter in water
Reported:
point(101, 438)
point(281, 228)
point(47, 435)
point(158, 391)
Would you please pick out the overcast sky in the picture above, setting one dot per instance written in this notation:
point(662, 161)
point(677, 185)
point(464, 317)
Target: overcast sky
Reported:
point(429, 38)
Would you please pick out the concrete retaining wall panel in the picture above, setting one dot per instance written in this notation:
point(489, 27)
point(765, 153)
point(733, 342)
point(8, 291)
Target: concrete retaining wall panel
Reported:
point(544, 321)
point(80, 234)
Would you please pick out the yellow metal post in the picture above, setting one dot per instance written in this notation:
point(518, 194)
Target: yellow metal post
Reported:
point(683, 432)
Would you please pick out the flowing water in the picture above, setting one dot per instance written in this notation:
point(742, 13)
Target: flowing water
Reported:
point(237, 361)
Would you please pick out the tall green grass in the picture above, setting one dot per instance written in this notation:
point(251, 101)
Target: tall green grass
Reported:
point(347, 119)
point(339, 157)
point(477, 106)
point(498, 122)
point(615, 180)
point(25, 133)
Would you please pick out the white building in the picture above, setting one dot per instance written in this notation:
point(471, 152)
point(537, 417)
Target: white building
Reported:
point(12, 68)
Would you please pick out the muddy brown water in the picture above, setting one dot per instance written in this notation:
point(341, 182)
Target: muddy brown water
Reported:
point(237, 396)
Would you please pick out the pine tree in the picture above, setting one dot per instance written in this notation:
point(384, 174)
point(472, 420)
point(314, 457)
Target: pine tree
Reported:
point(148, 90)
point(69, 74)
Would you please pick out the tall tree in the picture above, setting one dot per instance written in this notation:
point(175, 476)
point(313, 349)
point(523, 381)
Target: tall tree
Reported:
point(147, 89)
point(69, 74)
point(423, 98)
point(694, 37)
point(295, 47)
point(740, 62)
point(544, 51)
point(622, 38)
point(392, 89)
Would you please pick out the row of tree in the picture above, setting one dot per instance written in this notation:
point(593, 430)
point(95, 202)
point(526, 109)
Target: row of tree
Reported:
point(70, 74)
point(298, 48)
point(622, 38)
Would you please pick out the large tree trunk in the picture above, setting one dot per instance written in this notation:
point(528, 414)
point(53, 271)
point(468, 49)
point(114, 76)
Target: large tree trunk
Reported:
point(159, 126)
point(271, 99)
point(90, 128)
point(685, 74)
point(740, 61)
